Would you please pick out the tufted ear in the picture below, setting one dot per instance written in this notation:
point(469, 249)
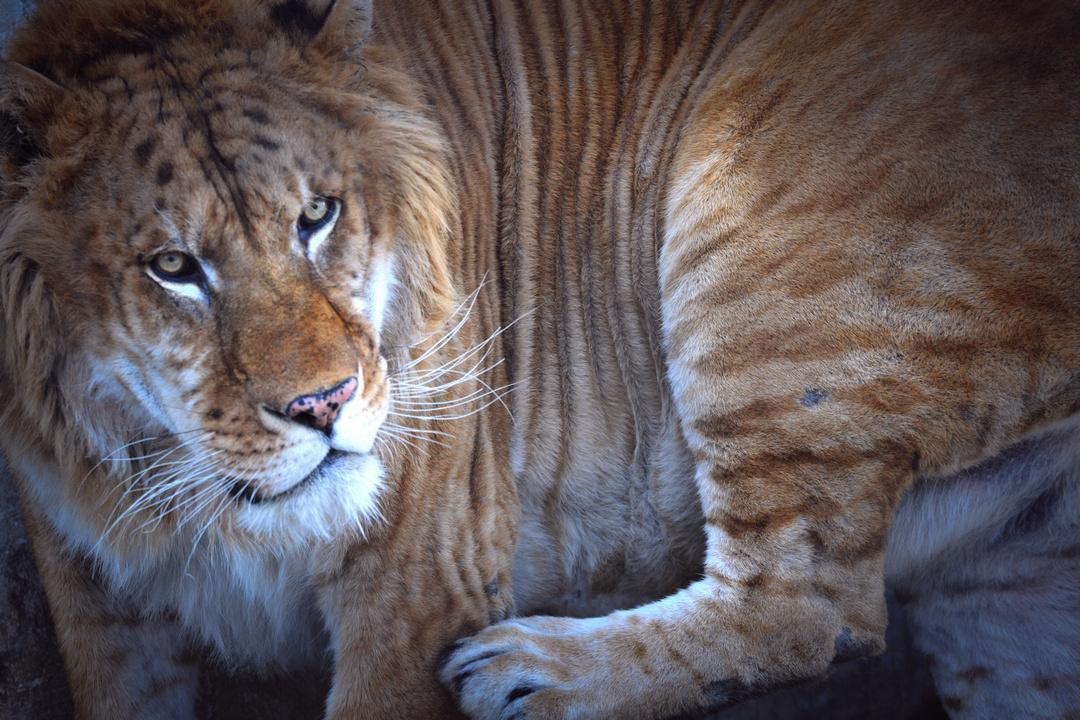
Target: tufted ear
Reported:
point(307, 20)
point(30, 105)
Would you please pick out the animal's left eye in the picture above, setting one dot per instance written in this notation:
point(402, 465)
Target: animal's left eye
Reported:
point(175, 267)
point(316, 214)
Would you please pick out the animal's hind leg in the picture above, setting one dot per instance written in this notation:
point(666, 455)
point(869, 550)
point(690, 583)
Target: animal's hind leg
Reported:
point(998, 611)
point(1005, 652)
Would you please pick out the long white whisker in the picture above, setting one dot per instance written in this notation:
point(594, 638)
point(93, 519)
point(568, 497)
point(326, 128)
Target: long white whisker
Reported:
point(441, 343)
point(223, 502)
point(398, 436)
point(180, 481)
point(168, 484)
point(418, 433)
point(110, 456)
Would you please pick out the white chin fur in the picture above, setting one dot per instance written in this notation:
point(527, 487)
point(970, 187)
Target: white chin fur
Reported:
point(342, 498)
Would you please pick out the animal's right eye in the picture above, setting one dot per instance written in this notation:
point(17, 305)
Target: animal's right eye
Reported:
point(314, 214)
point(316, 221)
point(175, 267)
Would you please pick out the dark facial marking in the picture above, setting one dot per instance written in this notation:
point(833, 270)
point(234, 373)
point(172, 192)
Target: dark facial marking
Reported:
point(145, 150)
point(258, 116)
point(164, 173)
point(266, 143)
point(227, 186)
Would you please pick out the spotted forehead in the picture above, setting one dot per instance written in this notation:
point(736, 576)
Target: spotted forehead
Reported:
point(226, 156)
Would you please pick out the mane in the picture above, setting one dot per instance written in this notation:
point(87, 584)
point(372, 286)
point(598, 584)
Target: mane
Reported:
point(65, 39)
point(68, 41)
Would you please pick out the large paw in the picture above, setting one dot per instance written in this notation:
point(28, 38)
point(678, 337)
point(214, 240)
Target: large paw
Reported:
point(527, 668)
point(624, 666)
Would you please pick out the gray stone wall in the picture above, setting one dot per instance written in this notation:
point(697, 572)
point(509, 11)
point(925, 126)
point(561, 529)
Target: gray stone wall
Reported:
point(32, 684)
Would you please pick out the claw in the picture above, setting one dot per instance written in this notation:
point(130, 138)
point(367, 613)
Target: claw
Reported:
point(444, 656)
point(519, 692)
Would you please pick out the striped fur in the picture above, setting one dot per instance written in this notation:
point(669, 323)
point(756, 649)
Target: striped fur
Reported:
point(802, 274)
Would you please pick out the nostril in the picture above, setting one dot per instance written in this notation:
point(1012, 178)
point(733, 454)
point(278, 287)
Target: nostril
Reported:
point(320, 410)
point(306, 418)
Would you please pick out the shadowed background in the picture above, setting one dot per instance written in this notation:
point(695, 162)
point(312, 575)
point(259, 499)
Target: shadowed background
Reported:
point(893, 686)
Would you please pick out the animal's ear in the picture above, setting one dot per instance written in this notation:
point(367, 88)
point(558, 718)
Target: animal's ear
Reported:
point(307, 20)
point(30, 105)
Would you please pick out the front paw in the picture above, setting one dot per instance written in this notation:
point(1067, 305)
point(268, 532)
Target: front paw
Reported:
point(518, 669)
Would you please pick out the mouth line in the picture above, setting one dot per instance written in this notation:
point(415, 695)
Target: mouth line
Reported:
point(244, 490)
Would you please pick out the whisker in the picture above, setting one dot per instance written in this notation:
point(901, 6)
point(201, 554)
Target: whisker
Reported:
point(418, 433)
point(109, 457)
point(222, 503)
point(166, 487)
point(465, 308)
point(400, 438)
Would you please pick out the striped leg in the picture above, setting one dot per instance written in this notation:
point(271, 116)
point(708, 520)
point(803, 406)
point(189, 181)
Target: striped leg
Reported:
point(797, 488)
point(806, 427)
point(810, 400)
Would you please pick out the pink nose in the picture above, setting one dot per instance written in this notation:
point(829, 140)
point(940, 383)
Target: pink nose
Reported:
point(321, 409)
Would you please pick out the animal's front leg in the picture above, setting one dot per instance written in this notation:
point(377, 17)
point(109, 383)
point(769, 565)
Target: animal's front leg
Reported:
point(436, 570)
point(389, 616)
point(799, 465)
point(781, 599)
point(121, 665)
point(797, 500)
point(799, 468)
point(797, 480)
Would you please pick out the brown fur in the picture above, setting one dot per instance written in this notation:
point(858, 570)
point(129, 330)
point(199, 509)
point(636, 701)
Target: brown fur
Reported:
point(762, 268)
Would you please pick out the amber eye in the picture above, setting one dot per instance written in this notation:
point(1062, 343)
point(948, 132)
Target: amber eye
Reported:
point(315, 212)
point(318, 215)
point(175, 266)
